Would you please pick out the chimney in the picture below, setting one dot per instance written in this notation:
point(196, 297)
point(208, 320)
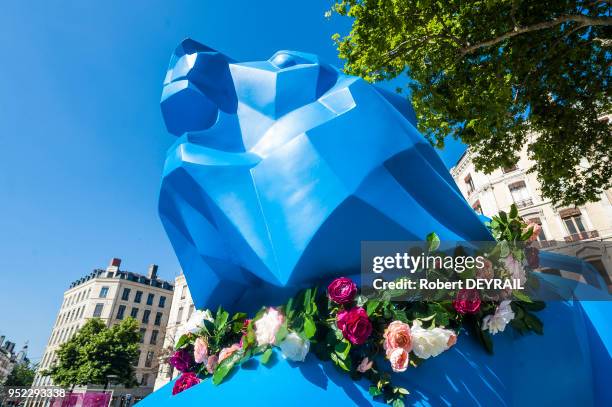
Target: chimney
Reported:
point(1, 340)
point(113, 267)
point(10, 346)
point(152, 272)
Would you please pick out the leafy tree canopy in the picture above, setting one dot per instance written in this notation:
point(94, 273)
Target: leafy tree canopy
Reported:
point(493, 72)
point(96, 352)
point(22, 375)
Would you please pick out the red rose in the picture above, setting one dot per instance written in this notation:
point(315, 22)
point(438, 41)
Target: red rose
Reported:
point(355, 325)
point(342, 290)
point(467, 302)
point(184, 382)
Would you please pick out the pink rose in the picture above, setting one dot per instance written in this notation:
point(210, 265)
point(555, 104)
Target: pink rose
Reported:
point(365, 365)
point(227, 352)
point(355, 325)
point(184, 382)
point(200, 350)
point(467, 301)
point(267, 327)
point(397, 335)
point(342, 290)
point(535, 231)
point(211, 363)
point(399, 360)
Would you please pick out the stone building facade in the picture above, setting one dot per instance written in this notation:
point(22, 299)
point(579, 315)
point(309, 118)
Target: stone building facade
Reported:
point(584, 231)
point(112, 295)
point(182, 308)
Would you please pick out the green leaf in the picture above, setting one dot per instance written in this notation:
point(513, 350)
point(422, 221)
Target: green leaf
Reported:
point(398, 403)
point(310, 329)
point(521, 296)
point(433, 242)
point(534, 323)
point(342, 349)
point(513, 211)
point(374, 391)
point(221, 318)
point(341, 363)
point(282, 333)
point(265, 358)
point(534, 306)
point(183, 340)
point(371, 306)
point(225, 367)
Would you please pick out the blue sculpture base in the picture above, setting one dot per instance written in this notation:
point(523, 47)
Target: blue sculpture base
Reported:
point(568, 366)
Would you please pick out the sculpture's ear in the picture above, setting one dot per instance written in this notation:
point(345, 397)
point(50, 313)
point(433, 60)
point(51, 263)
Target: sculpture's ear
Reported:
point(197, 85)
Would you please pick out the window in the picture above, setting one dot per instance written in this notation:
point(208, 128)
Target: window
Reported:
point(145, 379)
point(179, 315)
point(145, 316)
point(154, 335)
point(158, 318)
point(138, 296)
point(98, 310)
point(143, 331)
point(477, 208)
point(134, 312)
point(510, 169)
point(574, 224)
point(149, 359)
point(126, 294)
point(103, 292)
point(120, 312)
point(469, 183)
point(519, 193)
point(162, 301)
point(150, 299)
point(183, 292)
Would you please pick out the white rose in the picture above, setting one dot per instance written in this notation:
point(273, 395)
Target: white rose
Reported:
point(194, 323)
point(497, 322)
point(294, 347)
point(429, 342)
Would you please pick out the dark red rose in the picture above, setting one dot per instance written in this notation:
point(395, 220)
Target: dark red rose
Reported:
point(182, 360)
point(355, 325)
point(533, 257)
point(467, 302)
point(342, 290)
point(184, 382)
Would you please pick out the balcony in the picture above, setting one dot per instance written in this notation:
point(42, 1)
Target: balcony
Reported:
point(524, 203)
point(576, 237)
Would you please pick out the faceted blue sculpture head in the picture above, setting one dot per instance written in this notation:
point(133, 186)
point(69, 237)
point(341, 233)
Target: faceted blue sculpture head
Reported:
point(282, 167)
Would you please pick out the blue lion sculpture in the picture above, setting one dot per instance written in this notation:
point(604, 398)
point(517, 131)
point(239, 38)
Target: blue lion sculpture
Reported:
point(284, 166)
point(281, 168)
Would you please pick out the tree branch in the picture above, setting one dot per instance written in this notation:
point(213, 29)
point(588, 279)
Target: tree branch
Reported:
point(582, 19)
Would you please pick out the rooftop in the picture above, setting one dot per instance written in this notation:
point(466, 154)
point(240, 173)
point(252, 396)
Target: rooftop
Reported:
point(113, 271)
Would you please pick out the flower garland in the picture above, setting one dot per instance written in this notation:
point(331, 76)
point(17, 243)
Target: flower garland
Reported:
point(364, 337)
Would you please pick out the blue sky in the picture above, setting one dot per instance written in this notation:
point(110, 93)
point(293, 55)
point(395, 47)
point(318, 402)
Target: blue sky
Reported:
point(82, 142)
